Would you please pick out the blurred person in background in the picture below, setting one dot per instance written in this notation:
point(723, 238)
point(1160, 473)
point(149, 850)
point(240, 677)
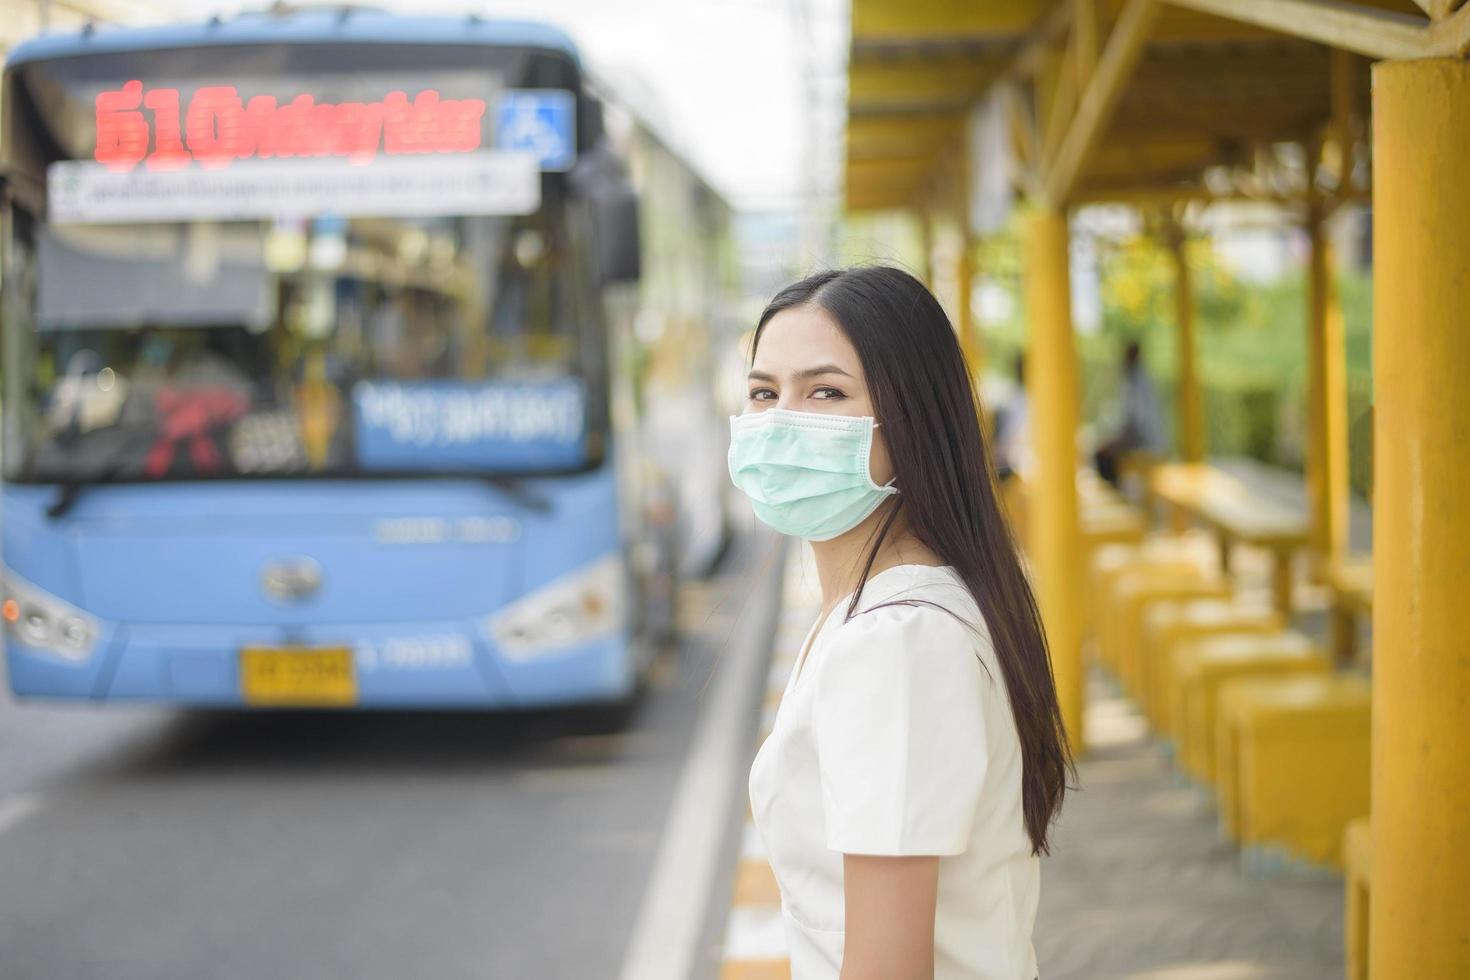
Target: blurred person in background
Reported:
point(918, 758)
point(1011, 430)
point(1140, 425)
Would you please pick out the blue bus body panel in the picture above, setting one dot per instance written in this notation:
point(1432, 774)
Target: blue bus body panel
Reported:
point(302, 27)
point(409, 571)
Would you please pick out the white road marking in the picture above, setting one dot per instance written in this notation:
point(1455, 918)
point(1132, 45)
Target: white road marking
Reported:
point(666, 931)
point(14, 810)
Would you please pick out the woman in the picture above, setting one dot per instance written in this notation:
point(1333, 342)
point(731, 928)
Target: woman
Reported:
point(917, 759)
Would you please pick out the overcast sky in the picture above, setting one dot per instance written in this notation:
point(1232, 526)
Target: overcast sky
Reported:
point(724, 79)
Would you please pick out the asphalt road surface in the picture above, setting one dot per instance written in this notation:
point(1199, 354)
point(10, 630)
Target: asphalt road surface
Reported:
point(151, 844)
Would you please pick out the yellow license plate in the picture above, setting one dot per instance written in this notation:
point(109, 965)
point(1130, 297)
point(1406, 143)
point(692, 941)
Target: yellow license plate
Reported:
point(298, 676)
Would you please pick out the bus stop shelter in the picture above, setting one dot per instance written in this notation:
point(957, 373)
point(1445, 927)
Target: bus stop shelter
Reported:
point(1160, 104)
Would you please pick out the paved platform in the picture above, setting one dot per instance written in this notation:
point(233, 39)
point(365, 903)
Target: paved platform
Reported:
point(1138, 886)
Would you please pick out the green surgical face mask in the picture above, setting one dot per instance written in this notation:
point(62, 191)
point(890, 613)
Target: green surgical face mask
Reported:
point(806, 473)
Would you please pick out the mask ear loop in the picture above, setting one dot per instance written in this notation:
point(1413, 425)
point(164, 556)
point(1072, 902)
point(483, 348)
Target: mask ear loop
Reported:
point(876, 423)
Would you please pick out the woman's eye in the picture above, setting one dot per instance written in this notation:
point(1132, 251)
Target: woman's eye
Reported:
point(758, 395)
point(834, 391)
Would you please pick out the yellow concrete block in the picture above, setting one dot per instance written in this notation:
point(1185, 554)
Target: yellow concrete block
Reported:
point(1191, 550)
point(1294, 758)
point(1167, 624)
point(1200, 666)
point(1104, 564)
point(1112, 522)
point(1233, 699)
point(1133, 592)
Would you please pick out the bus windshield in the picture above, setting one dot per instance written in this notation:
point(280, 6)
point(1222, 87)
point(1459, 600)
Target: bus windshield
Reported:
point(248, 267)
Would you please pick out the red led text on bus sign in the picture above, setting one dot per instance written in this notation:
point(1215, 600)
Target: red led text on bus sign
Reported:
point(218, 126)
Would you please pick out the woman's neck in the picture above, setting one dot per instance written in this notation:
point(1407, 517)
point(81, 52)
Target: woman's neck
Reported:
point(840, 560)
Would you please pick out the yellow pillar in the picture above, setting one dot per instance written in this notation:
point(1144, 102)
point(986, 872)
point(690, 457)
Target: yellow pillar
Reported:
point(964, 281)
point(1326, 443)
point(1419, 923)
point(1189, 408)
point(1055, 544)
point(965, 266)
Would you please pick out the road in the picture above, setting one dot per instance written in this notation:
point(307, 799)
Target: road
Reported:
point(150, 844)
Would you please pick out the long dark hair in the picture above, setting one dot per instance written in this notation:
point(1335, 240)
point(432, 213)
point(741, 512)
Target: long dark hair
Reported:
point(923, 395)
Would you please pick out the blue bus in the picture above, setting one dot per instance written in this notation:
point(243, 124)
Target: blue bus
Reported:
point(313, 394)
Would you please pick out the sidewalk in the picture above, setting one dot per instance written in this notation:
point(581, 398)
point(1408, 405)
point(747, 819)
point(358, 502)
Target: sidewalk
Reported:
point(1138, 884)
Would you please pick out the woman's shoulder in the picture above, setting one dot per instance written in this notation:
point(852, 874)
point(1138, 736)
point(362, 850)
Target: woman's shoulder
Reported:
point(928, 603)
point(922, 584)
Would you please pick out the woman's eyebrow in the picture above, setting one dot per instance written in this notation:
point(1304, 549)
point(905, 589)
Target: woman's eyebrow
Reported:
point(810, 372)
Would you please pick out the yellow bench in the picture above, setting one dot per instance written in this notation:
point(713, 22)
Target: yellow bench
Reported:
point(1357, 852)
point(1293, 757)
point(1201, 666)
point(1104, 514)
point(1350, 580)
point(1181, 488)
point(1234, 513)
point(1167, 624)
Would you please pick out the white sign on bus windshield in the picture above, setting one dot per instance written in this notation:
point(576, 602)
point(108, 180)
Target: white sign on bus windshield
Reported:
point(480, 182)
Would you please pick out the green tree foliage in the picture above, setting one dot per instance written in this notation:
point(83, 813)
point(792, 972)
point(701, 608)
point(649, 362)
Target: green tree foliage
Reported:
point(1250, 345)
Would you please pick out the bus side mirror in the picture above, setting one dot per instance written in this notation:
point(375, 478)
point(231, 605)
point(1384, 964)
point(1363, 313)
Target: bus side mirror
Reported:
point(618, 242)
point(602, 178)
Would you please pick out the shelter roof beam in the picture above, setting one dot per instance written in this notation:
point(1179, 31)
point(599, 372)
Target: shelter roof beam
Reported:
point(1366, 30)
point(1096, 104)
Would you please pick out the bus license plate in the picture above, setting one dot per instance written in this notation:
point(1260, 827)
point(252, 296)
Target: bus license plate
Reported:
point(299, 676)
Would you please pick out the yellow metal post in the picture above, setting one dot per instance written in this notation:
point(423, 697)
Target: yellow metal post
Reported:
point(1189, 409)
point(1326, 444)
point(1055, 544)
point(1419, 926)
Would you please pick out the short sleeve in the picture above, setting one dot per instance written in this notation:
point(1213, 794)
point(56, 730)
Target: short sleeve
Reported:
point(898, 722)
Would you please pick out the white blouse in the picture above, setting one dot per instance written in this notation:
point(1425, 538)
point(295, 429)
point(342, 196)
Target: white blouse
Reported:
point(895, 736)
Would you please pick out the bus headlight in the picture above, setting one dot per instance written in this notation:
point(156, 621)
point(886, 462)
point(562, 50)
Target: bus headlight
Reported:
point(40, 620)
point(563, 613)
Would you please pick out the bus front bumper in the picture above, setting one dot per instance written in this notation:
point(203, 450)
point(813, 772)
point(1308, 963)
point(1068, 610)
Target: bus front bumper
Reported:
point(381, 666)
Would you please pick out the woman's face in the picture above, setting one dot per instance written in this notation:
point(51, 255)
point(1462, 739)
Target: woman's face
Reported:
point(805, 363)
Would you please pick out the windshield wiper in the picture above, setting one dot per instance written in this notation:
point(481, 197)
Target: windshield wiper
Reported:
point(116, 458)
point(518, 491)
point(71, 488)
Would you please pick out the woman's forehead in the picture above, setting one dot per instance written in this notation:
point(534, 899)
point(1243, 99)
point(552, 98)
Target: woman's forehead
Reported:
point(803, 336)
